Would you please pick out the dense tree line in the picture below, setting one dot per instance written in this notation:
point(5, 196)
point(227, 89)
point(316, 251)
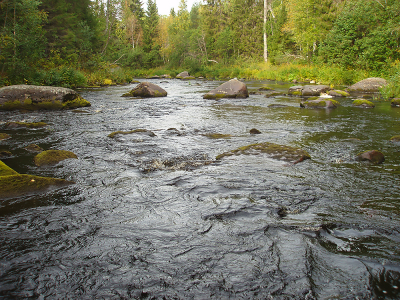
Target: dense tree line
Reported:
point(48, 40)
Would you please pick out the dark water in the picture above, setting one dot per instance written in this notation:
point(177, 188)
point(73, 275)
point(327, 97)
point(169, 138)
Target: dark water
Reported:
point(156, 217)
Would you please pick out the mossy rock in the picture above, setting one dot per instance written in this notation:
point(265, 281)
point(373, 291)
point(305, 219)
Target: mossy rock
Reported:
point(320, 103)
point(218, 136)
point(6, 170)
point(395, 138)
point(265, 88)
point(374, 156)
point(363, 103)
point(26, 125)
point(33, 148)
point(338, 93)
point(52, 157)
point(15, 185)
point(230, 89)
point(4, 136)
point(395, 102)
point(275, 151)
point(30, 97)
point(144, 131)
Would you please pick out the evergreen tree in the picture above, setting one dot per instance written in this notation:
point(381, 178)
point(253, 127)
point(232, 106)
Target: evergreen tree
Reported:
point(22, 38)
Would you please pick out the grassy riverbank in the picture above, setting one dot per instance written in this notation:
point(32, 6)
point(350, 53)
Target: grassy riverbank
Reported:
point(291, 72)
point(324, 74)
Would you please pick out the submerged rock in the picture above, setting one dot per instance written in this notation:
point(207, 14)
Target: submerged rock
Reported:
point(369, 85)
point(33, 148)
point(13, 184)
point(52, 157)
point(373, 156)
point(5, 154)
point(218, 136)
point(275, 151)
point(176, 163)
point(32, 97)
point(26, 125)
point(320, 103)
point(4, 136)
point(395, 102)
point(363, 103)
point(21, 184)
point(230, 89)
point(146, 90)
point(143, 131)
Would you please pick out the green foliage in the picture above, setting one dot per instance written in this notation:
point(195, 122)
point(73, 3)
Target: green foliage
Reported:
point(366, 35)
point(65, 76)
point(21, 38)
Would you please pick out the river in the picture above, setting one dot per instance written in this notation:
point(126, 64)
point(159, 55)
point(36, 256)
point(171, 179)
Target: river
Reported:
point(157, 217)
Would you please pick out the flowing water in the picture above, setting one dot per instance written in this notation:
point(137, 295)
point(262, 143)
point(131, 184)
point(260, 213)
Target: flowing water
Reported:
point(157, 217)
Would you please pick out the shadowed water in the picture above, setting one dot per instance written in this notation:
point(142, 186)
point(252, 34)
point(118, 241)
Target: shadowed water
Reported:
point(157, 217)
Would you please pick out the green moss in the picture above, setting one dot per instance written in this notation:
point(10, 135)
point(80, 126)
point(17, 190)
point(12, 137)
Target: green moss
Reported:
point(6, 170)
point(341, 93)
point(27, 124)
point(280, 152)
point(77, 102)
point(11, 105)
point(113, 134)
point(363, 103)
point(4, 136)
point(15, 185)
point(217, 136)
point(395, 102)
point(28, 104)
point(52, 157)
point(395, 138)
point(296, 93)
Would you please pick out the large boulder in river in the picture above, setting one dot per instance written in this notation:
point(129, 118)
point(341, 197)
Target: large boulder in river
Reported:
point(308, 90)
point(230, 89)
point(32, 97)
point(275, 151)
point(146, 90)
point(369, 85)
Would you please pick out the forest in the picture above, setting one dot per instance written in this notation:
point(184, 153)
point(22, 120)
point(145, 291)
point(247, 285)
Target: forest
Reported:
point(93, 42)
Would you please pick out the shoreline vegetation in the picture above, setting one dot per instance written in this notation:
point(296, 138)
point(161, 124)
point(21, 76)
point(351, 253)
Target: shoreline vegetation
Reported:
point(84, 43)
point(293, 72)
point(334, 76)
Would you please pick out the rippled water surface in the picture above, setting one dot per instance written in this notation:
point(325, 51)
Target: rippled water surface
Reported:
point(157, 217)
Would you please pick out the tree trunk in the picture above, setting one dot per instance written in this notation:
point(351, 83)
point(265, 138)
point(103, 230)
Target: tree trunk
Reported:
point(265, 32)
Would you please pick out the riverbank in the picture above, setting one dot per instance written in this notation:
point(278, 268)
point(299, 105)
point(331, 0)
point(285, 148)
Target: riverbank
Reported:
point(290, 72)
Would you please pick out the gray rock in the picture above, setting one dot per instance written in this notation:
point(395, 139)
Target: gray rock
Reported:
point(146, 90)
point(39, 97)
point(314, 90)
point(230, 89)
point(369, 85)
